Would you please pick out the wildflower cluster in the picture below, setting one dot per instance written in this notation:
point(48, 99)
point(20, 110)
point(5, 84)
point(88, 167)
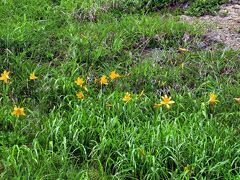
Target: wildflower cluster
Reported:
point(104, 80)
point(79, 81)
point(165, 101)
point(5, 77)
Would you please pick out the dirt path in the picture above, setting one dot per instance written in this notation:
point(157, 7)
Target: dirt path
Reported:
point(223, 28)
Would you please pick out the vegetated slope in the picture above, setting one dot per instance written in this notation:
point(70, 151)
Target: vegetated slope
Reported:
point(95, 129)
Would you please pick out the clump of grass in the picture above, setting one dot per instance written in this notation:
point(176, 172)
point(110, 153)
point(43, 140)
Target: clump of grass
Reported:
point(201, 7)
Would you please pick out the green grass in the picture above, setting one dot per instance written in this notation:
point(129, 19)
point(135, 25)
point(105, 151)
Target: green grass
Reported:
point(201, 7)
point(100, 136)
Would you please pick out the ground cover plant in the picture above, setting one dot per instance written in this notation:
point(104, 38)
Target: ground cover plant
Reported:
point(81, 98)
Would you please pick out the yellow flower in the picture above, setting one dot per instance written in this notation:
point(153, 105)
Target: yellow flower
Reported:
point(17, 111)
point(79, 81)
point(238, 100)
point(141, 93)
point(80, 95)
point(103, 80)
point(213, 99)
point(127, 97)
point(5, 76)
point(32, 76)
point(166, 101)
point(113, 75)
point(156, 105)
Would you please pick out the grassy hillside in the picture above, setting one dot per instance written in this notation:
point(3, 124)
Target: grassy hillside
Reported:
point(78, 124)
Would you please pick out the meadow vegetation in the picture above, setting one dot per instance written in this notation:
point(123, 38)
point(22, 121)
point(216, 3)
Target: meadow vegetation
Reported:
point(81, 99)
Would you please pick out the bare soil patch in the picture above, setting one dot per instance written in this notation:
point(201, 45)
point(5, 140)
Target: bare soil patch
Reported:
point(224, 27)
